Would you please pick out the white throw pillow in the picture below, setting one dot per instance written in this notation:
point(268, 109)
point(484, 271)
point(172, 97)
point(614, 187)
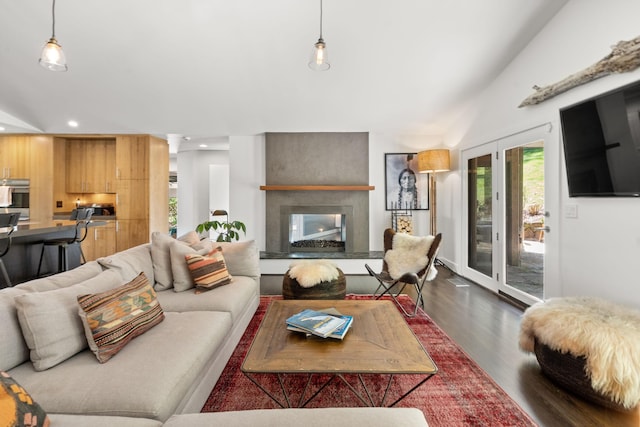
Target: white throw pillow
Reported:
point(161, 258)
point(50, 323)
point(182, 279)
point(242, 258)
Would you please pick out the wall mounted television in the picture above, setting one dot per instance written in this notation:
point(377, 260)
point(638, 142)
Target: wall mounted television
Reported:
point(601, 138)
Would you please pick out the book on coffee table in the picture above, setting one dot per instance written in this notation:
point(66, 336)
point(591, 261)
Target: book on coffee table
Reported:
point(337, 334)
point(316, 322)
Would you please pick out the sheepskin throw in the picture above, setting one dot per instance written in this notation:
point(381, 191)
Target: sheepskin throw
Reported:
point(409, 255)
point(606, 334)
point(309, 273)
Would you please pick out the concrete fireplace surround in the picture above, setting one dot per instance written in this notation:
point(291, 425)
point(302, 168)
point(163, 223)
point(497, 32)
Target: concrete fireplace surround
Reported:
point(317, 159)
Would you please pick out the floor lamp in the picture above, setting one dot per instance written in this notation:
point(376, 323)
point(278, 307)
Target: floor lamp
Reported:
point(432, 162)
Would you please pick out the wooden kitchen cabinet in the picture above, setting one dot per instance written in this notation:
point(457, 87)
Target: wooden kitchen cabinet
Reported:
point(132, 157)
point(131, 232)
point(15, 156)
point(100, 241)
point(132, 200)
point(91, 166)
point(142, 202)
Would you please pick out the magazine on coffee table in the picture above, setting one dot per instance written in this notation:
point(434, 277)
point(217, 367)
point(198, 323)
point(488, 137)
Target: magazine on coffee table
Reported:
point(338, 333)
point(316, 322)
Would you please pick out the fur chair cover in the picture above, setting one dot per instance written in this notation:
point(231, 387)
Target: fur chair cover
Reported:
point(606, 334)
point(309, 273)
point(409, 255)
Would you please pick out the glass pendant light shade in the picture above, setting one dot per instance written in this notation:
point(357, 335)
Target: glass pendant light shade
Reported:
point(52, 57)
point(319, 60)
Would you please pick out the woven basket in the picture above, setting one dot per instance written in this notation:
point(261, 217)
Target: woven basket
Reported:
point(334, 289)
point(568, 372)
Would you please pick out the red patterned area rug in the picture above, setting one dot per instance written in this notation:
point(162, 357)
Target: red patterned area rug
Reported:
point(460, 394)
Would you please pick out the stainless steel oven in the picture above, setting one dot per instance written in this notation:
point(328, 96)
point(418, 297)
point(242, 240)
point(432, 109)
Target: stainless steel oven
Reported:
point(14, 196)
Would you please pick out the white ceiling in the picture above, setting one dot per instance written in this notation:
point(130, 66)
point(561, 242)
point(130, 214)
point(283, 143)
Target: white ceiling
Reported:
point(212, 68)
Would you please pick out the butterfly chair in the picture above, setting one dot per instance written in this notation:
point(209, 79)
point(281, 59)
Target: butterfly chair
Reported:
point(404, 264)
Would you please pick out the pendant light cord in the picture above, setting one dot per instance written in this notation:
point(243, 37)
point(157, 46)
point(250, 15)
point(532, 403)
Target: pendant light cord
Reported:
point(320, 18)
point(53, 20)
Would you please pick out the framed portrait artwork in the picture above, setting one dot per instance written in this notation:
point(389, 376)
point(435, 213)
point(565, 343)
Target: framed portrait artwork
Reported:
point(406, 189)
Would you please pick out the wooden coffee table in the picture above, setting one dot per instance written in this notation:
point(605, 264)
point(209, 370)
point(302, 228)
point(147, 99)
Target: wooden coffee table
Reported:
point(378, 342)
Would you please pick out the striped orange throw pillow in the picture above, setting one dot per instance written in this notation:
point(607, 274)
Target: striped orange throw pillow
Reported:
point(208, 271)
point(113, 318)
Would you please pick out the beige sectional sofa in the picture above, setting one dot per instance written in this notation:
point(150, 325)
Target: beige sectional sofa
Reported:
point(167, 371)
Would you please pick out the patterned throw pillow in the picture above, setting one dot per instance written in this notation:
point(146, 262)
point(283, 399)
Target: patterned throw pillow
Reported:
point(113, 318)
point(17, 408)
point(208, 271)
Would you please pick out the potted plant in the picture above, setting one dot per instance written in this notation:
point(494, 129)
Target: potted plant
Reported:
point(227, 231)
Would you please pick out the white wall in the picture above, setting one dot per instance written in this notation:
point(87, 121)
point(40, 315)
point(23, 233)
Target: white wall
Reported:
point(379, 218)
point(193, 186)
point(599, 251)
point(246, 175)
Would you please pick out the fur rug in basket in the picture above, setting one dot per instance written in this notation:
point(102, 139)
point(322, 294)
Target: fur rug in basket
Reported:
point(409, 255)
point(606, 334)
point(309, 273)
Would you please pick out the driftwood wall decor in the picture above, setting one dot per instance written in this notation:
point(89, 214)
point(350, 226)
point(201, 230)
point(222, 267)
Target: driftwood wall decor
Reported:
point(624, 57)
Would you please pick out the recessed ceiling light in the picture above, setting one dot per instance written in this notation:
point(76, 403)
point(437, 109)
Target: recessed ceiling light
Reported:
point(72, 123)
point(203, 145)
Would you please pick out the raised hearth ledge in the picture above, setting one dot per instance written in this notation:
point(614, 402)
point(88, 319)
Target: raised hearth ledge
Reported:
point(322, 255)
point(317, 187)
point(348, 262)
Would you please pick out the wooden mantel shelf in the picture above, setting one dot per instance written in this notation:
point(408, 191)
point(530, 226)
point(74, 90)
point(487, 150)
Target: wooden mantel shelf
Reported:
point(317, 187)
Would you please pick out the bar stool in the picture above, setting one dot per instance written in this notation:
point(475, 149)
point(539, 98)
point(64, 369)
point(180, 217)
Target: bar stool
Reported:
point(8, 222)
point(82, 216)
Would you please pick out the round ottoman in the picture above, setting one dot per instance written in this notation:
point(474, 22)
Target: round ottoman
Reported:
point(315, 279)
point(589, 346)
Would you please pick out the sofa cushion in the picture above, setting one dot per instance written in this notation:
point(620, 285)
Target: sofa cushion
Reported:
point(131, 262)
point(242, 258)
point(17, 407)
point(307, 417)
point(50, 323)
point(65, 420)
point(64, 279)
point(113, 318)
point(208, 271)
point(232, 298)
point(14, 349)
point(148, 379)
point(182, 279)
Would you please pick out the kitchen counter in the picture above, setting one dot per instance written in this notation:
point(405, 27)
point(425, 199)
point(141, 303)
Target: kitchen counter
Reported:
point(42, 228)
point(26, 244)
point(61, 216)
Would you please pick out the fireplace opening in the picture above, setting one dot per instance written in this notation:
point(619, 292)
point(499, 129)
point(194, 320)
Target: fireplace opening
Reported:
point(317, 232)
point(316, 228)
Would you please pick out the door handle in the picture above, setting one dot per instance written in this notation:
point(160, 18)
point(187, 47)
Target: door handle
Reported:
point(546, 229)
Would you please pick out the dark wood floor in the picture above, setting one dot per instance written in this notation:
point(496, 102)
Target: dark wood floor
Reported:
point(486, 326)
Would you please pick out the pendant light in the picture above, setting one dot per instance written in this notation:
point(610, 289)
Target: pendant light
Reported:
point(319, 60)
point(52, 57)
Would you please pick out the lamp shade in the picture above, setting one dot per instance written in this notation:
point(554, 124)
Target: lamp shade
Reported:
point(430, 161)
point(52, 57)
point(319, 60)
